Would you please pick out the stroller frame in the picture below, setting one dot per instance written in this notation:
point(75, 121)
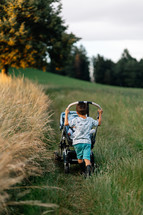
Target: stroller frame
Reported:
point(68, 155)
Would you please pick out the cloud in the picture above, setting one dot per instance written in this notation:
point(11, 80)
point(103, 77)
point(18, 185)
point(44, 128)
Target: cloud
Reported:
point(106, 27)
point(105, 31)
point(104, 19)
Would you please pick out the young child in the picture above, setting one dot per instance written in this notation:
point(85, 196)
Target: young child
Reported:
point(81, 137)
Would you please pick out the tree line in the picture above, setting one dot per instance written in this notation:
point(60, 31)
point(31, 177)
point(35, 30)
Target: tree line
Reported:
point(127, 72)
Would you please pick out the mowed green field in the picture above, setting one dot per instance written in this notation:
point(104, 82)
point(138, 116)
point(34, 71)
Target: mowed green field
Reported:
point(117, 187)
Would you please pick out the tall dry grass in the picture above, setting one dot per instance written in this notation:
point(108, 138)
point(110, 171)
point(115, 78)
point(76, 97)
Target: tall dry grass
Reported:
point(24, 121)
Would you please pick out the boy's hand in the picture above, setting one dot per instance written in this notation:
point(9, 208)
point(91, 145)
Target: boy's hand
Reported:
point(100, 111)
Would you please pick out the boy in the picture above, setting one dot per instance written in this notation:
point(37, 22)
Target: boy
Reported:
point(81, 136)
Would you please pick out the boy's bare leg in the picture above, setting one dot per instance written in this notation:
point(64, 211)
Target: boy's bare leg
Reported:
point(80, 160)
point(87, 162)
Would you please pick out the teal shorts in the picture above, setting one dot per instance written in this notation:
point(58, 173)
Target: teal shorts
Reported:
point(83, 150)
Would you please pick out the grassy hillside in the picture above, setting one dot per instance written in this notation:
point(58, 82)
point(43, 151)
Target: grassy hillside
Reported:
point(117, 189)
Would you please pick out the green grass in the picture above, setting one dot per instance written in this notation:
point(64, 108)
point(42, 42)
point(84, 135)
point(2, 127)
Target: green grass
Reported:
point(117, 188)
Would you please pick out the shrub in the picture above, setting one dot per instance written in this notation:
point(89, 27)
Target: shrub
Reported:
point(24, 126)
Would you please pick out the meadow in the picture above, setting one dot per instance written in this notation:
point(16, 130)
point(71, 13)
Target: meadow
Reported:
point(116, 188)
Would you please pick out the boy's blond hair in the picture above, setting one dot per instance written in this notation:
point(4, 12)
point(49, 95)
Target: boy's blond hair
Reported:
point(81, 108)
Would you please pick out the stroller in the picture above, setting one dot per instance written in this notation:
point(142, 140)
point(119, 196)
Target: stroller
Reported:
point(67, 154)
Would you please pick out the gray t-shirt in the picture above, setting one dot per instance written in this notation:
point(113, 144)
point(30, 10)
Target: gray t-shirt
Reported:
point(82, 128)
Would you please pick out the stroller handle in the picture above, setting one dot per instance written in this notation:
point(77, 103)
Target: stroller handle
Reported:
point(78, 102)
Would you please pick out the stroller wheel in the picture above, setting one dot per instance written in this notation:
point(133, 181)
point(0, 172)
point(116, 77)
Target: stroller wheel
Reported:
point(66, 168)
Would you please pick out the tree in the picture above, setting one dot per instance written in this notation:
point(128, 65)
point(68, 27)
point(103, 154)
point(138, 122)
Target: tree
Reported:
point(81, 64)
point(125, 70)
point(77, 65)
point(29, 31)
point(139, 74)
point(60, 53)
point(103, 70)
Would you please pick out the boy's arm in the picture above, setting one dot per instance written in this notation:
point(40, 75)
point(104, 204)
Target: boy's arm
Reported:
point(66, 117)
point(100, 114)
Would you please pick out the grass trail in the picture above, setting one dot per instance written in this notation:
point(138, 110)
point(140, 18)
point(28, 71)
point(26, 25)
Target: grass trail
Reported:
point(117, 188)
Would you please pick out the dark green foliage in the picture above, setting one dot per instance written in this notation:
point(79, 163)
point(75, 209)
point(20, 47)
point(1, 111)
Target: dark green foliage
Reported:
point(78, 64)
point(60, 54)
point(127, 72)
point(103, 70)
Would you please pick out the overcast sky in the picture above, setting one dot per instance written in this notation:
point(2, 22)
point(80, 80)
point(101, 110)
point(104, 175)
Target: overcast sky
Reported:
point(106, 27)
